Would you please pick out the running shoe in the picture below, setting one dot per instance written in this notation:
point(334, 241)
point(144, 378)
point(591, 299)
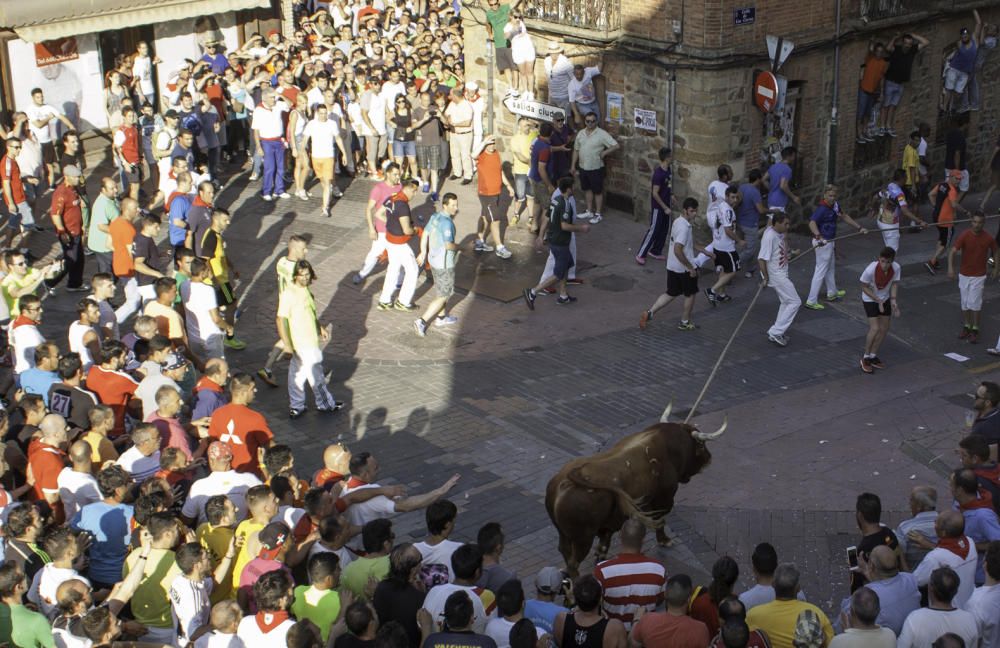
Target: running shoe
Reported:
point(529, 298)
point(267, 198)
point(644, 320)
point(640, 260)
point(384, 306)
point(420, 326)
point(814, 306)
point(993, 351)
point(235, 343)
point(356, 279)
point(780, 340)
point(686, 326)
point(568, 299)
point(597, 218)
point(447, 320)
point(331, 410)
point(866, 366)
point(712, 299)
point(267, 377)
point(835, 296)
point(875, 362)
point(406, 308)
point(503, 252)
point(296, 413)
point(547, 291)
point(284, 195)
point(724, 298)
point(574, 281)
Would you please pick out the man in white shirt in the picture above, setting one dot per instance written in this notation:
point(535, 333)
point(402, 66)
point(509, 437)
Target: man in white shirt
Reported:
point(206, 327)
point(725, 239)
point(459, 116)
point(142, 69)
point(77, 486)
point(63, 549)
point(324, 132)
point(682, 275)
point(269, 627)
point(923, 627)
point(364, 471)
point(223, 480)
point(582, 94)
point(189, 593)
point(774, 273)
point(985, 600)
point(142, 460)
point(24, 333)
point(954, 549)
point(879, 285)
point(467, 565)
point(40, 116)
point(374, 132)
point(559, 69)
point(267, 121)
point(436, 549)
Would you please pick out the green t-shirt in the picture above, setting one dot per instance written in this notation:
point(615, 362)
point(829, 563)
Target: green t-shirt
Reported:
point(105, 210)
point(355, 576)
point(559, 211)
point(286, 272)
point(297, 307)
point(151, 601)
point(28, 629)
point(498, 19)
point(319, 606)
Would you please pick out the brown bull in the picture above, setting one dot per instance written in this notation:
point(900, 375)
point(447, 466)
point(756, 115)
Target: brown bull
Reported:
point(593, 496)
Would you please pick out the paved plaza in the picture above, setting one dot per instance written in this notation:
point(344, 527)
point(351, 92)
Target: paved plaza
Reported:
point(507, 396)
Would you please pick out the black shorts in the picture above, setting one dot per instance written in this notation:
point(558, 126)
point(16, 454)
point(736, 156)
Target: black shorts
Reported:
point(872, 309)
point(563, 260)
point(225, 295)
point(133, 174)
point(681, 283)
point(728, 261)
point(505, 59)
point(592, 180)
point(945, 235)
point(48, 153)
point(491, 210)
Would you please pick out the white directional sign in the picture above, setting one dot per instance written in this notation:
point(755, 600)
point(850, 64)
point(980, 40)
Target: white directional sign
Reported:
point(533, 109)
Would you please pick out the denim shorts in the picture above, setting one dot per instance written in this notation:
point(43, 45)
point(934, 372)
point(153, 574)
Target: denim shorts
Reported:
point(404, 149)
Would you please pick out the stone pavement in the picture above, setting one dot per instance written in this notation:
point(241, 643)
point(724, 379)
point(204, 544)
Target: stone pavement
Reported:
point(507, 396)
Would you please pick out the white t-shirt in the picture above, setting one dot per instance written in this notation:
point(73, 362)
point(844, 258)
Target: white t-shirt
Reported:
point(761, 594)
point(314, 97)
point(392, 90)
point(142, 69)
point(66, 639)
point(322, 134)
point(498, 629)
point(268, 122)
point(721, 216)
point(44, 585)
point(985, 606)
point(199, 301)
point(76, 490)
point(146, 391)
point(582, 91)
point(922, 627)
point(345, 555)
point(77, 344)
point(863, 637)
point(376, 508)
point(680, 232)
point(141, 468)
point(437, 595)
point(868, 277)
point(253, 637)
point(216, 639)
point(34, 112)
point(290, 515)
point(774, 250)
point(24, 339)
point(964, 567)
point(559, 74)
point(374, 104)
point(230, 483)
point(439, 554)
point(189, 605)
point(716, 192)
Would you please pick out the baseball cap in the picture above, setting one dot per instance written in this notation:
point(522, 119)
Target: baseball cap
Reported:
point(548, 580)
point(963, 31)
point(472, 85)
point(219, 451)
point(72, 170)
point(173, 361)
point(171, 113)
point(272, 539)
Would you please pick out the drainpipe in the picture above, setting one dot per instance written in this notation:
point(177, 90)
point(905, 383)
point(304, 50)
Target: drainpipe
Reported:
point(831, 159)
point(671, 107)
point(489, 87)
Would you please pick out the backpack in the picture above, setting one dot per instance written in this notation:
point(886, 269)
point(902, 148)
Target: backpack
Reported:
point(192, 123)
point(159, 153)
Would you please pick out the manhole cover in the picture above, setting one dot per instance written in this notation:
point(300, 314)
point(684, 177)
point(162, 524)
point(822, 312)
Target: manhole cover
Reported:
point(614, 283)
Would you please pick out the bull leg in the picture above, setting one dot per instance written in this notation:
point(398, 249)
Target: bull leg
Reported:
point(578, 552)
point(566, 549)
point(662, 538)
point(603, 544)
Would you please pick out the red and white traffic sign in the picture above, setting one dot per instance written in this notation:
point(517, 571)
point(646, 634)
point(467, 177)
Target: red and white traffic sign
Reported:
point(765, 92)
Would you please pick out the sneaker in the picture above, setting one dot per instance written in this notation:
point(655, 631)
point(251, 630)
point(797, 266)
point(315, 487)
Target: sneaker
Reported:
point(425, 187)
point(568, 299)
point(931, 267)
point(515, 93)
point(77, 289)
point(357, 279)
point(253, 177)
point(547, 291)
point(435, 197)
point(644, 320)
point(880, 132)
point(267, 377)
point(267, 198)
point(235, 343)
point(337, 193)
point(302, 195)
point(640, 260)
point(876, 363)
point(514, 220)
point(711, 297)
point(284, 195)
point(993, 351)
point(658, 257)
point(296, 413)
point(860, 140)
point(331, 410)
point(420, 326)
point(597, 218)
point(814, 306)
point(965, 333)
point(503, 252)
point(36, 228)
point(725, 299)
point(866, 366)
point(973, 336)
point(529, 298)
point(384, 306)
point(326, 212)
point(686, 326)
point(483, 246)
point(780, 340)
point(587, 215)
point(574, 281)
point(447, 320)
point(837, 296)
point(467, 181)
point(406, 308)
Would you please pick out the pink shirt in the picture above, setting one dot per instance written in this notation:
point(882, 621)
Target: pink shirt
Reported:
point(172, 434)
point(380, 193)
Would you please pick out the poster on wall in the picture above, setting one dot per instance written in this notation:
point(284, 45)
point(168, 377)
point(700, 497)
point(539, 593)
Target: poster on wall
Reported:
point(645, 119)
point(56, 51)
point(186, 39)
point(616, 104)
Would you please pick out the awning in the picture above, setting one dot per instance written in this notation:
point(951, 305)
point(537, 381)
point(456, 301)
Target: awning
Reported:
point(41, 20)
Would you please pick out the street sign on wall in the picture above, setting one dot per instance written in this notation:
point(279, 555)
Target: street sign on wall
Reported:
point(765, 91)
point(533, 109)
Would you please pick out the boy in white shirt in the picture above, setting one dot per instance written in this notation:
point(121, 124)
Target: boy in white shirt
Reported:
point(189, 592)
point(63, 548)
point(225, 619)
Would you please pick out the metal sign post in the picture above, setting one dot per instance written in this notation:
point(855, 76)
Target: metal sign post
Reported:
point(489, 87)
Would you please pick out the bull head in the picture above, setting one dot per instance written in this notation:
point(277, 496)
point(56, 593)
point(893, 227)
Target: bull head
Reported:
point(708, 436)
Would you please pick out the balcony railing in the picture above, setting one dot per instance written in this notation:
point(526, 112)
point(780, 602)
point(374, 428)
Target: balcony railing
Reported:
point(591, 15)
point(873, 10)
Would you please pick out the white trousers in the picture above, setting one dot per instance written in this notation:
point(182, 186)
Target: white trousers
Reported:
point(789, 306)
point(133, 301)
point(461, 154)
point(824, 272)
point(378, 247)
point(890, 234)
point(550, 263)
point(400, 258)
point(306, 367)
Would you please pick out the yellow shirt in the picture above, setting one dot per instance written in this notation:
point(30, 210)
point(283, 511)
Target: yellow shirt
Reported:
point(12, 282)
point(216, 541)
point(778, 619)
point(101, 449)
point(151, 601)
point(298, 309)
point(245, 529)
point(911, 162)
point(521, 145)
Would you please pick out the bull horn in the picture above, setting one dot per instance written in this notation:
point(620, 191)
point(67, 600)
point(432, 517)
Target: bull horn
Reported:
point(708, 436)
point(665, 417)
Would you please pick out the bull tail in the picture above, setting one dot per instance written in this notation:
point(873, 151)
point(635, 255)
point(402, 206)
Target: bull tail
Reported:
point(631, 506)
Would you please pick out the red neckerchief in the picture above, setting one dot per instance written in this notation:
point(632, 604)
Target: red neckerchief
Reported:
point(199, 202)
point(399, 196)
point(957, 546)
point(326, 476)
point(173, 195)
point(207, 383)
point(984, 500)
point(22, 320)
point(268, 621)
point(882, 279)
point(354, 482)
point(990, 472)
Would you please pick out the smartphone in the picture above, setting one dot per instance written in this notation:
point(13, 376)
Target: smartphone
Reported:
point(852, 557)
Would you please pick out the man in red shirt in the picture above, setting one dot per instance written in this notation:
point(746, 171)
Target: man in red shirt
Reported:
point(46, 459)
point(126, 146)
point(245, 431)
point(67, 217)
point(398, 230)
point(672, 627)
point(115, 388)
point(630, 580)
point(975, 245)
point(491, 181)
point(14, 198)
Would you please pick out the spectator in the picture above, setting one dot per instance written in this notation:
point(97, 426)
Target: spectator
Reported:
point(673, 627)
point(974, 453)
point(436, 550)
point(984, 603)
point(364, 471)
point(987, 417)
point(779, 617)
point(559, 71)
point(543, 610)
point(868, 515)
point(976, 505)
point(630, 580)
point(376, 538)
point(955, 550)
point(869, 89)
point(459, 624)
point(959, 66)
point(902, 51)
point(923, 626)
point(270, 625)
point(896, 591)
point(77, 486)
point(923, 502)
point(398, 597)
point(705, 602)
point(490, 540)
point(467, 566)
point(108, 523)
point(734, 629)
point(591, 146)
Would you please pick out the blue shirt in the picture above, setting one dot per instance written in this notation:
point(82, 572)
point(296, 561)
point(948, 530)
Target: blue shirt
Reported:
point(441, 229)
point(219, 63)
point(825, 218)
point(776, 197)
point(747, 215)
point(37, 381)
point(110, 527)
point(897, 596)
point(964, 59)
point(542, 613)
point(179, 207)
point(537, 148)
point(981, 525)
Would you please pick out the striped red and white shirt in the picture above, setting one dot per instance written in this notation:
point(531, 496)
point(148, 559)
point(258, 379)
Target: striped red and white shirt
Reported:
point(630, 581)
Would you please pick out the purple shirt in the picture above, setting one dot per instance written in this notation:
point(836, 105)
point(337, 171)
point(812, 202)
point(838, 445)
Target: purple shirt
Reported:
point(776, 197)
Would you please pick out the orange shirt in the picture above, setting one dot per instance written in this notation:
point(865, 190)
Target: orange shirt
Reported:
point(46, 463)
point(946, 217)
point(122, 234)
point(488, 166)
point(874, 71)
point(115, 389)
